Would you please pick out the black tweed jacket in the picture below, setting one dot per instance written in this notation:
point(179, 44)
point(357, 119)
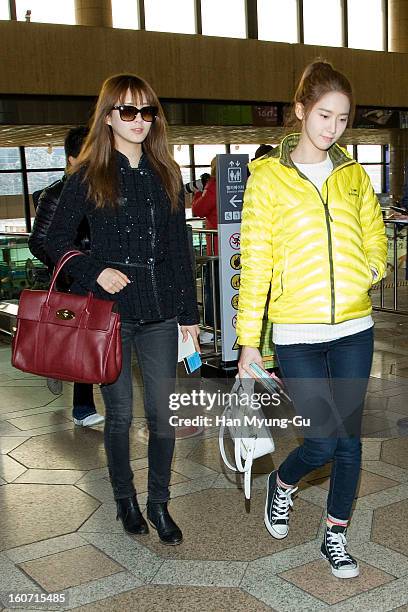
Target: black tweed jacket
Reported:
point(140, 237)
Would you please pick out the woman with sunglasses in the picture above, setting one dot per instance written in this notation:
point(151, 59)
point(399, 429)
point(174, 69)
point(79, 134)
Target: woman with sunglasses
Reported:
point(129, 188)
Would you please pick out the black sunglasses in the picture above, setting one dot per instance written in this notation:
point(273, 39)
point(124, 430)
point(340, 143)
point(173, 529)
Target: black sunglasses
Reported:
point(128, 112)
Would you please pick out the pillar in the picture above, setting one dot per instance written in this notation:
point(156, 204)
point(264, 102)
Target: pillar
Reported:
point(398, 25)
point(398, 161)
point(93, 13)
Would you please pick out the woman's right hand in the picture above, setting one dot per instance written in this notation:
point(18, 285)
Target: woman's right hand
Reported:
point(112, 280)
point(249, 355)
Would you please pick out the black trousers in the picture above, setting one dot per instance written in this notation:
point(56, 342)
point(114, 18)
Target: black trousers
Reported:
point(156, 346)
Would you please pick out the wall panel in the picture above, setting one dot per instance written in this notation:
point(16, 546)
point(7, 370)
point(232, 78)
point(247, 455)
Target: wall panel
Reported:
point(73, 60)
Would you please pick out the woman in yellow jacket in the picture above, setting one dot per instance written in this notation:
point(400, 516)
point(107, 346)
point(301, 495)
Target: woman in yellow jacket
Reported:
point(312, 230)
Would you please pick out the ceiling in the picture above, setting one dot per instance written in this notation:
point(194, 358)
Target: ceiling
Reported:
point(44, 135)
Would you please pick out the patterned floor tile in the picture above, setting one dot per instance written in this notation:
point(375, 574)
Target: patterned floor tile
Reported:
point(7, 444)
point(28, 552)
point(201, 573)
point(226, 522)
point(388, 526)
point(70, 568)
point(38, 420)
point(10, 469)
point(50, 476)
point(77, 449)
point(395, 452)
point(316, 579)
point(179, 599)
point(35, 512)
point(128, 551)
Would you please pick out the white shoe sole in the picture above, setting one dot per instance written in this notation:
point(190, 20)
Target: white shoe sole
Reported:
point(352, 572)
point(268, 524)
point(89, 421)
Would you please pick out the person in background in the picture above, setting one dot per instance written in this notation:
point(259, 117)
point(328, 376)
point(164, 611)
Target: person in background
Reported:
point(204, 205)
point(84, 412)
point(262, 150)
point(312, 230)
point(130, 190)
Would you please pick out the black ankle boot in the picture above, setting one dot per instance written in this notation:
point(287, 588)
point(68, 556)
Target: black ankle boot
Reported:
point(130, 515)
point(159, 518)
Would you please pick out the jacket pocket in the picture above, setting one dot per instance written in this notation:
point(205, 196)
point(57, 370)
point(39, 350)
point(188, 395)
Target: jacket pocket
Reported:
point(276, 286)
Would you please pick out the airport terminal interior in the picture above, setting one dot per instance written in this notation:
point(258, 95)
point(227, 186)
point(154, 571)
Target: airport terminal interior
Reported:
point(225, 73)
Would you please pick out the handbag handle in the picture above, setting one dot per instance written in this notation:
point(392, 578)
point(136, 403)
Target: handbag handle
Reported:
point(58, 267)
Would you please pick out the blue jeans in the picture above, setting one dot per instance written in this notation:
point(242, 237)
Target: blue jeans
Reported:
point(328, 382)
point(156, 346)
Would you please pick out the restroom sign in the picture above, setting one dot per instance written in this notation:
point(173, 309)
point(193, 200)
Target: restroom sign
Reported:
point(234, 172)
point(231, 180)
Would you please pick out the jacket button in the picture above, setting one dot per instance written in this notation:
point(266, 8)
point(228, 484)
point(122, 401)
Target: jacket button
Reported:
point(122, 170)
point(127, 260)
point(150, 231)
point(150, 260)
point(127, 229)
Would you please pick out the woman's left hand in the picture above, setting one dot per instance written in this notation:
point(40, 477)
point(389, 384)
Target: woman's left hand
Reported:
point(194, 332)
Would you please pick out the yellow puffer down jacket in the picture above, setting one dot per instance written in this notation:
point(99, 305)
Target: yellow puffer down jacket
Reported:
point(314, 250)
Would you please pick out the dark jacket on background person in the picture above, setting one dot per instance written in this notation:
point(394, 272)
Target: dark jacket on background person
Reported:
point(140, 236)
point(45, 203)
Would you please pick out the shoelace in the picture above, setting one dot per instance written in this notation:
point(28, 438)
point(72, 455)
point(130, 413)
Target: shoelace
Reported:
point(336, 543)
point(282, 502)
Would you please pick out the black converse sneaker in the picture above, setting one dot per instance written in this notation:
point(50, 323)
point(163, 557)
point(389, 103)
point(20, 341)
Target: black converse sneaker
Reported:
point(334, 550)
point(277, 505)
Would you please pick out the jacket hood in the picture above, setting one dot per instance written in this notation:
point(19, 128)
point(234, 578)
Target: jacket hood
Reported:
point(282, 152)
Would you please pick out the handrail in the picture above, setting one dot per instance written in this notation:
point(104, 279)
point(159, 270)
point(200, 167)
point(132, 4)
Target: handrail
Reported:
point(15, 234)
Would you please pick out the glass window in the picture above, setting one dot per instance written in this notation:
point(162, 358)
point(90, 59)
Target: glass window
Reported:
point(226, 18)
point(369, 154)
point(350, 149)
point(11, 204)
point(39, 180)
point(185, 175)
point(39, 157)
point(245, 148)
point(199, 170)
point(375, 174)
point(203, 154)
point(125, 14)
point(277, 20)
point(366, 24)
point(322, 22)
point(182, 154)
point(10, 184)
point(4, 9)
point(47, 11)
point(175, 16)
point(9, 158)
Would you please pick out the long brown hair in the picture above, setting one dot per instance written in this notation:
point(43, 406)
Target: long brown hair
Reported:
point(318, 79)
point(97, 158)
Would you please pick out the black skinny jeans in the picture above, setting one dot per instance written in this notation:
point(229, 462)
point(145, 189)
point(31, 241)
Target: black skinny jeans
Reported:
point(156, 346)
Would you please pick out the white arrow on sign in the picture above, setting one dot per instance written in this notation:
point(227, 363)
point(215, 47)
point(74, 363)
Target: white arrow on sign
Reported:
point(234, 201)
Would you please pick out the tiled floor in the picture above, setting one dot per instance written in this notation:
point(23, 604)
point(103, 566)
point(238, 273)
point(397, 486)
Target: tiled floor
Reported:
point(58, 531)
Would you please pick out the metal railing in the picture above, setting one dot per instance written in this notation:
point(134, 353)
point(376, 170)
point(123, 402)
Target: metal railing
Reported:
point(396, 225)
point(204, 240)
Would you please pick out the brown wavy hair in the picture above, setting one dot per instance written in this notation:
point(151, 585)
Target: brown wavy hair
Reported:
point(96, 158)
point(318, 79)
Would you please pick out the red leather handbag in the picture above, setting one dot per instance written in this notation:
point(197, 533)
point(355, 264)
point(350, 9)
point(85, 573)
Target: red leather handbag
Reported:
point(67, 336)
